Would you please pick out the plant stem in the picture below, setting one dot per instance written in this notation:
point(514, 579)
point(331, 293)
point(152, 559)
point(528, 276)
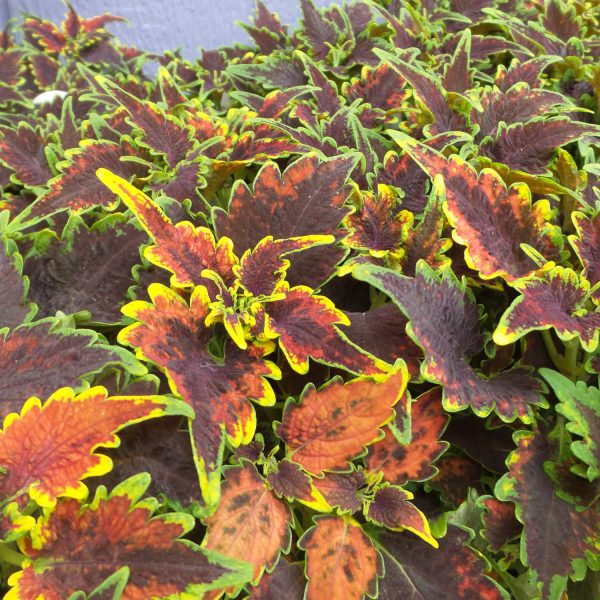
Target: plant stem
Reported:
point(10, 556)
point(554, 354)
point(566, 364)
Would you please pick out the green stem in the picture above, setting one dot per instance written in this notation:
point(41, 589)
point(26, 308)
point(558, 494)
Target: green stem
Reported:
point(554, 354)
point(571, 367)
point(566, 364)
point(10, 556)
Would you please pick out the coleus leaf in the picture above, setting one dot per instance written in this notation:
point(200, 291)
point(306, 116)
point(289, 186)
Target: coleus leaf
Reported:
point(586, 244)
point(444, 322)
point(457, 76)
point(286, 581)
point(325, 91)
point(332, 425)
point(251, 523)
point(161, 448)
point(182, 249)
point(528, 72)
point(305, 327)
point(37, 359)
point(77, 188)
point(529, 147)
point(414, 460)
point(218, 389)
point(431, 95)
point(341, 489)
point(377, 226)
point(477, 204)
point(556, 301)
point(382, 333)
point(161, 132)
point(341, 562)
point(11, 67)
point(558, 536)
point(580, 404)
point(14, 309)
point(22, 150)
point(456, 476)
point(275, 72)
point(47, 449)
point(562, 20)
point(310, 196)
point(289, 480)
point(267, 31)
point(416, 570)
point(319, 31)
point(381, 87)
point(88, 269)
point(500, 522)
point(44, 69)
point(262, 270)
point(391, 508)
point(44, 32)
point(426, 241)
point(510, 107)
point(73, 549)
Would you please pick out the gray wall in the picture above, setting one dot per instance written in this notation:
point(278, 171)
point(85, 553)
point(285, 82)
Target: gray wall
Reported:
point(158, 25)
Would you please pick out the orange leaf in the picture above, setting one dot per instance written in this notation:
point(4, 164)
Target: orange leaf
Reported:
point(342, 564)
point(251, 523)
point(48, 449)
point(332, 425)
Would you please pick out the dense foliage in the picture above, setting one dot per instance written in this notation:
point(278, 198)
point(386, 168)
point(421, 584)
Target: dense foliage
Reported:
point(336, 293)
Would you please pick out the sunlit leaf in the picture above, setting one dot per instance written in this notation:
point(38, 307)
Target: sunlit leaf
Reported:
point(333, 424)
point(342, 563)
point(47, 449)
point(76, 549)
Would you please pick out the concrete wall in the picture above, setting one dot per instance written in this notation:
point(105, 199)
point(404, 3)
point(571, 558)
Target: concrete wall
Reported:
point(158, 25)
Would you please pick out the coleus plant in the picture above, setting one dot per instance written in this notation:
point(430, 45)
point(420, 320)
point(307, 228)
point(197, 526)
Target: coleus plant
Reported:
point(311, 317)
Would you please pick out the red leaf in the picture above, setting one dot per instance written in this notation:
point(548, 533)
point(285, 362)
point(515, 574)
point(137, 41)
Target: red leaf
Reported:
point(416, 570)
point(286, 581)
point(74, 549)
point(162, 133)
point(340, 489)
point(46, 450)
point(555, 301)
point(445, 323)
point(14, 309)
point(378, 226)
point(310, 197)
point(86, 270)
point(45, 33)
point(529, 147)
point(558, 536)
point(22, 150)
point(263, 269)
point(391, 508)
point(501, 525)
point(182, 249)
point(11, 67)
point(305, 326)
point(219, 390)
point(401, 463)
point(587, 244)
point(381, 332)
point(319, 31)
point(36, 360)
point(78, 188)
point(251, 523)
point(476, 205)
point(341, 561)
point(332, 425)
